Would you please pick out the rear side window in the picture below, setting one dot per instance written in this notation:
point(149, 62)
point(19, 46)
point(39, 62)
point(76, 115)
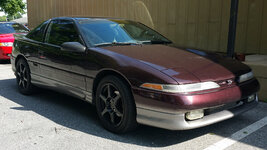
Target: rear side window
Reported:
point(6, 28)
point(61, 31)
point(37, 34)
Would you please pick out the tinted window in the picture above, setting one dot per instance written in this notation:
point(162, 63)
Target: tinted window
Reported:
point(61, 31)
point(37, 34)
point(6, 28)
point(103, 31)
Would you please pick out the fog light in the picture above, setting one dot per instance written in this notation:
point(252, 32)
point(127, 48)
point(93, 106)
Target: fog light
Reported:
point(251, 98)
point(195, 114)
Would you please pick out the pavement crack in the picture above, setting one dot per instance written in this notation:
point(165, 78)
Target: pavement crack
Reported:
point(56, 130)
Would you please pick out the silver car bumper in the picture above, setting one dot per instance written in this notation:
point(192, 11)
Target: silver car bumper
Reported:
point(178, 121)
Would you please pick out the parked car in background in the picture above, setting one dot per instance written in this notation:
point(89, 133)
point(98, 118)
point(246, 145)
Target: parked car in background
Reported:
point(132, 74)
point(7, 30)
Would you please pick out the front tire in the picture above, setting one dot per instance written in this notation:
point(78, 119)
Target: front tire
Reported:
point(115, 105)
point(23, 77)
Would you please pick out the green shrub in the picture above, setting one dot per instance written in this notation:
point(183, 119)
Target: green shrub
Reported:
point(2, 18)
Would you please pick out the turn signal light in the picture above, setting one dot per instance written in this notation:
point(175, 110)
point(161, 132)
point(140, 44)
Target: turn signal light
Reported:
point(153, 86)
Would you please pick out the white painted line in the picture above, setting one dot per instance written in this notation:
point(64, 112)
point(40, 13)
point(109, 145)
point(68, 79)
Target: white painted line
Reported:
point(226, 142)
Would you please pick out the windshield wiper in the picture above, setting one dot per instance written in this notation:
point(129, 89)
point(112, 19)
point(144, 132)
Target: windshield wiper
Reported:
point(156, 42)
point(115, 43)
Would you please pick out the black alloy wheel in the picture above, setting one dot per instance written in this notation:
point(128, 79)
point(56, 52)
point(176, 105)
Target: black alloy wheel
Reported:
point(115, 105)
point(23, 77)
point(111, 104)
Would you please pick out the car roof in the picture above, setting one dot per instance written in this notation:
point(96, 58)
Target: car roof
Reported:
point(84, 17)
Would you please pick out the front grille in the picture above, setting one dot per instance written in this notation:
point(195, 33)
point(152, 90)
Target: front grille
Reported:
point(224, 107)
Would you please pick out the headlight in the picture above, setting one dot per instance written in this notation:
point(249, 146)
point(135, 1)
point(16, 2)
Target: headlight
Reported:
point(6, 44)
point(185, 88)
point(245, 77)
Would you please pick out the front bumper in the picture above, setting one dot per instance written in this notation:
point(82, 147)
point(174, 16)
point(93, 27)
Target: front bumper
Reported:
point(168, 111)
point(178, 121)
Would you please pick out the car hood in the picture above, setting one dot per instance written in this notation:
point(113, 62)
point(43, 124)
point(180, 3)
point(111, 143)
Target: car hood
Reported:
point(185, 66)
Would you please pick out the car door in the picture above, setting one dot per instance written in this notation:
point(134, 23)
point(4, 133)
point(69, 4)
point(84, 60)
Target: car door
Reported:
point(30, 46)
point(62, 69)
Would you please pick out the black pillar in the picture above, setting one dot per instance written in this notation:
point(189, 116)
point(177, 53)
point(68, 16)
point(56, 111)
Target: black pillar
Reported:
point(232, 28)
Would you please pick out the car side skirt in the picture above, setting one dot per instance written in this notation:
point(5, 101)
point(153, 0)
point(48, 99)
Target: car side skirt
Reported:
point(61, 87)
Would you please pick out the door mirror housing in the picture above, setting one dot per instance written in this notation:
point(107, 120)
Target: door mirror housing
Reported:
point(73, 47)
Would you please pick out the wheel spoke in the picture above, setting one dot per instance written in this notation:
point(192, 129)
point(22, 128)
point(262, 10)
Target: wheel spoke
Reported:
point(111, 114)
point(20, 81)
point(23, 83)
point(25, 79)
point(18, 73)
point(104, 99)
point(118, 113)
point(117, 97)
point(21, 68)
point(104, 111)
point(109, 90)
point(24, 71)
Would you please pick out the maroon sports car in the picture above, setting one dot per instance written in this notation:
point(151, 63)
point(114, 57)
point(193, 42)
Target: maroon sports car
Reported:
point(132, 74)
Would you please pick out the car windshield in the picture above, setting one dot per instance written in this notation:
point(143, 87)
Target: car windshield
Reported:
point(6, 28)
point(103, 32)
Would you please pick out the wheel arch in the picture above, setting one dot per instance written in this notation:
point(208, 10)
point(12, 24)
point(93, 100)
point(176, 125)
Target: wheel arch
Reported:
point(20, 57)
point(107, 72)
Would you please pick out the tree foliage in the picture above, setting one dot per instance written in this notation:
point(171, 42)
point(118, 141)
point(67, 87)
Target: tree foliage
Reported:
point(3, 18)
point(16, 16)
point(12, 7)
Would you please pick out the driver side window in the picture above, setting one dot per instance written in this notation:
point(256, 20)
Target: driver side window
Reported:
point(61, 31)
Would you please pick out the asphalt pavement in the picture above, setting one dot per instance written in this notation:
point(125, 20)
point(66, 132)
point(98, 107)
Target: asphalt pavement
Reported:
point(50, 120)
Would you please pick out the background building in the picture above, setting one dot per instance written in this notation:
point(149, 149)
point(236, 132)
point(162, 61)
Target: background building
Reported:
point(201, 24)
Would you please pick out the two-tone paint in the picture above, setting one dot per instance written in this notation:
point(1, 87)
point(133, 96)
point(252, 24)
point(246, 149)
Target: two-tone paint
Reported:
point(78, 74)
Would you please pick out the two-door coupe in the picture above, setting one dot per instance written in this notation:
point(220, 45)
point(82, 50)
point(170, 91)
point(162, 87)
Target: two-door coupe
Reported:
point(132, 74)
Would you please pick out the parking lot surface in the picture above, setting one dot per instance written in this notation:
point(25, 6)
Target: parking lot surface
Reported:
point(50, 120)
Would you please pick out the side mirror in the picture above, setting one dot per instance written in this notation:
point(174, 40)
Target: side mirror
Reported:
point(73, 47)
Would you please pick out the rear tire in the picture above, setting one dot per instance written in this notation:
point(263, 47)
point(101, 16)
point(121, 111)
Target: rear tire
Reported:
point(23, 77)
point(115, 105)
